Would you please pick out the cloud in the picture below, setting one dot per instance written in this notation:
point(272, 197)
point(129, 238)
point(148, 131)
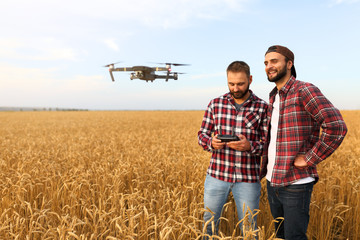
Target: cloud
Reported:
point(14, 78)
point(157, 13)
point(345, 1)
point(337, 2)
point(43, 49)
point(84, 83)
point(194, 98)
point(151, 13)
point(209, 75)
point(21, 86)
point(181, 13)
point(111, 44)
point(35, 87)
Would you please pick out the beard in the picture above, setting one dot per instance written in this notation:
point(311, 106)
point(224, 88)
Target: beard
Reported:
point(240, 94)
point(279, 76)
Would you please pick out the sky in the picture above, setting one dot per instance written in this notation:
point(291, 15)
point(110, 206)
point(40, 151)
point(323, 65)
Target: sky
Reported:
point(53, 52)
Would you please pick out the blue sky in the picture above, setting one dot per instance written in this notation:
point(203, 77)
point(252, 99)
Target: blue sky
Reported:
point(52, 52)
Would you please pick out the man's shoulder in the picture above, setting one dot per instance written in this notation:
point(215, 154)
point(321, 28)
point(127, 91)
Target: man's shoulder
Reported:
point(298, 84)
point(258, 100)
point(220, 98)
point(302, 87)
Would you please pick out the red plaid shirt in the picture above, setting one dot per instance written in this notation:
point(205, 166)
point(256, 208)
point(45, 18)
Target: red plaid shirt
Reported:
point(303, 110)
point(251, 121)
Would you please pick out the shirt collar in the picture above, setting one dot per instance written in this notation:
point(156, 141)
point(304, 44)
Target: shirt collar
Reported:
point(285, 88)
point(230, 98)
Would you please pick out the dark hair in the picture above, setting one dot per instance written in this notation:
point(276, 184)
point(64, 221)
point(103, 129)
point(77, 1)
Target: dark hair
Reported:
point(239, 66)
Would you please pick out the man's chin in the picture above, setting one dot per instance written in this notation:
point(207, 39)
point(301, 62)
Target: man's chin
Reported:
point(237, 96)
point(273, 79)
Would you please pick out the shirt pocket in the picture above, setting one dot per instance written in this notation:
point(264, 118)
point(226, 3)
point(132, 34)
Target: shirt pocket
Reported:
point(251, 120)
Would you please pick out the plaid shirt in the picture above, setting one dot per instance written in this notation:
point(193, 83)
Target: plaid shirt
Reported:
point(228, 164)
point(303, 110)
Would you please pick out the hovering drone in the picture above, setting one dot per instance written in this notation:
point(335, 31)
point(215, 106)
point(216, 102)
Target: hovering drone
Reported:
point(147, 73)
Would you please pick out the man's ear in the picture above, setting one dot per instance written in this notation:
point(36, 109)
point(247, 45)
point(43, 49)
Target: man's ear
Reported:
point(289, 65)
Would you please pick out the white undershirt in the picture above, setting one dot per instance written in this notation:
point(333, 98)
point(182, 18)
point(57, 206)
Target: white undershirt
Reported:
point(272, 145)
point(273, 136)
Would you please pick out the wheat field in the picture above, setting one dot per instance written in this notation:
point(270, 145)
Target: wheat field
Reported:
point(140, 175)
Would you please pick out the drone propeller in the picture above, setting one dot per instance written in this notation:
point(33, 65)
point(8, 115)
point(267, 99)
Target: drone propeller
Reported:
point(178, 64)
point(175, 64)
point(111, 64)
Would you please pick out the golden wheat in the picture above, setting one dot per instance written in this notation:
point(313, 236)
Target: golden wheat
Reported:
point(139, 175)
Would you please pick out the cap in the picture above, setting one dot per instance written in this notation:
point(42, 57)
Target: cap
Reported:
point(285, 52)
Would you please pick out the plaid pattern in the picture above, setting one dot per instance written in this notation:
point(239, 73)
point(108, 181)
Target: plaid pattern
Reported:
point(251, 121)
point(303, 110)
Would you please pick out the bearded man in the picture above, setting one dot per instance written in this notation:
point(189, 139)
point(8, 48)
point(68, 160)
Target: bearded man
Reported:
point(234, 165)
point(294, 146)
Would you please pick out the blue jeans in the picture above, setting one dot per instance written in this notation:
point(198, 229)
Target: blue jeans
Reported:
point(246, 195)
point(291, 203)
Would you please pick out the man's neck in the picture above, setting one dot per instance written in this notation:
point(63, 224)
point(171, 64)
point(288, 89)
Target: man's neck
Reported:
point(283, 81)
point(243, 99)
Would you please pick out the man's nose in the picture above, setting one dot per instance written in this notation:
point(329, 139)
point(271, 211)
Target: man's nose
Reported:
point(268, 66)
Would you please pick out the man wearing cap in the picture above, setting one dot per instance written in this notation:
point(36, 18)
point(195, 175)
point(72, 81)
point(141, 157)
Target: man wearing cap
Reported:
point(294, 144)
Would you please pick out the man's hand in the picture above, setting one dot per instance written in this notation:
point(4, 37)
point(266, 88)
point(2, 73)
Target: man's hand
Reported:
point(242, 145)
point(300, 162)
point(216, 143)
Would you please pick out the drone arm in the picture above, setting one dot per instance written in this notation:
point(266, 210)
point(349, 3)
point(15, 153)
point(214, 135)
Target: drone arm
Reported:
point(123, 69)
point(167, 76)
point(112, 76)
point(160, 69)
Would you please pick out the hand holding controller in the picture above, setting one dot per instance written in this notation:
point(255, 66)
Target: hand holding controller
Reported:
point(227, 138)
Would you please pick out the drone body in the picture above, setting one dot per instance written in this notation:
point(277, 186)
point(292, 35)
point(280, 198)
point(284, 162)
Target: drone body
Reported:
point(146, 73)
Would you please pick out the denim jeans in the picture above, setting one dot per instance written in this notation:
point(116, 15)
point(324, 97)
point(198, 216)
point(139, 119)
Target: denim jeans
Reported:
point(291, 203)
point(215, 196)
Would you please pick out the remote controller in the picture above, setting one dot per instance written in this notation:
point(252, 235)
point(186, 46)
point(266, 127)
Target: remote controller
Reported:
point(227, 138)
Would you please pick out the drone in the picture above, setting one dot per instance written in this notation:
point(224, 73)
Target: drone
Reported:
point(147, 73)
